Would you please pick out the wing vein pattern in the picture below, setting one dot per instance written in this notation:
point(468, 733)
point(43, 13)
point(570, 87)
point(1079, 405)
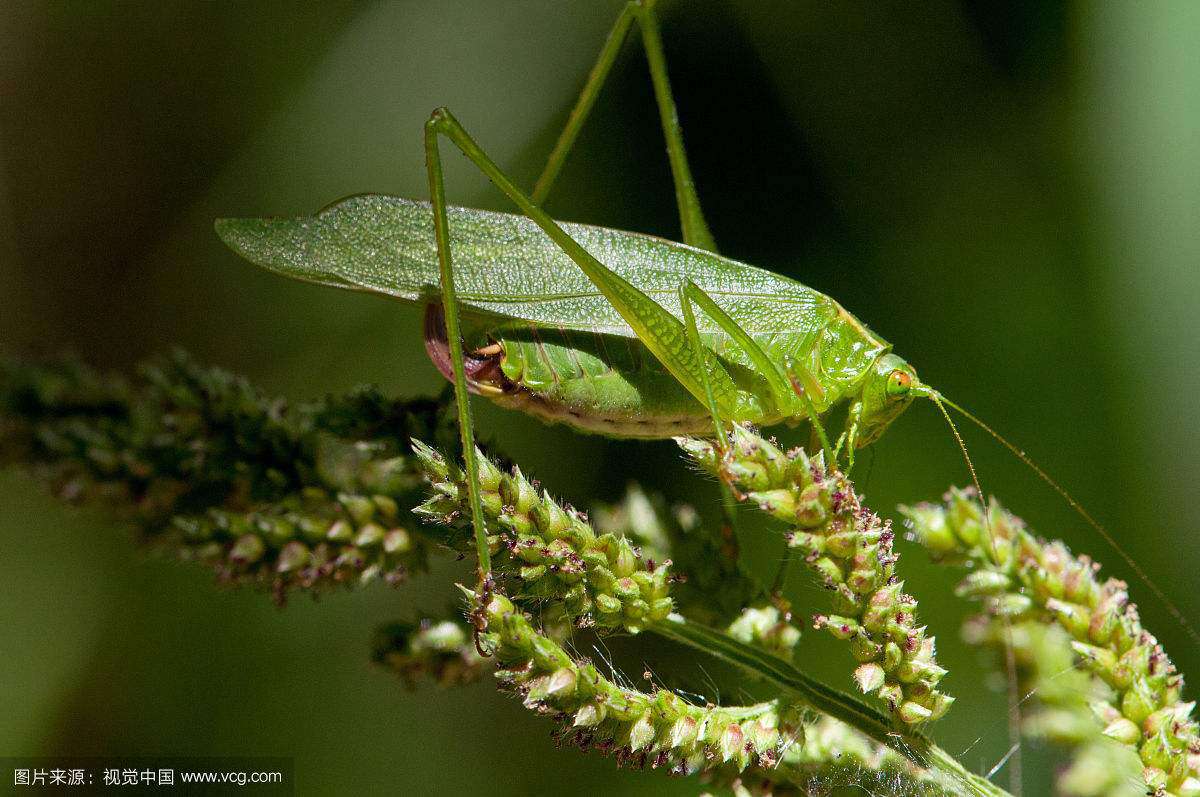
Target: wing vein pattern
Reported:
point(506, 266)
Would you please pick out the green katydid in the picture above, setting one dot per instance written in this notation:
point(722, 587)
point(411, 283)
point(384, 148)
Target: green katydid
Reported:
point(594, 327)
point(543, 339)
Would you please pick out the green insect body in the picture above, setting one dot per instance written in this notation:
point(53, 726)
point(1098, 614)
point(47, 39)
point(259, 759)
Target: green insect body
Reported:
point(541, 338)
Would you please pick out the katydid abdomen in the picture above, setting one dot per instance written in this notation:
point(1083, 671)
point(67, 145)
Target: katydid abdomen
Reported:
point(606, 384)
point(542, 339)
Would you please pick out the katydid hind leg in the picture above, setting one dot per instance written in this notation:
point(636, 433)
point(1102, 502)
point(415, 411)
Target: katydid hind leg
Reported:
point(777, 383)
point(784, 390)
point(691, 217)
point(692, 223)
point(693, 337)
point(659, 330)
point(461, 394)
point(583, 104)
point(781, 389)
point(728, 500)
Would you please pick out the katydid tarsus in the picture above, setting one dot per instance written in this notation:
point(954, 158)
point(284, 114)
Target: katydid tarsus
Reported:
point(611, 332)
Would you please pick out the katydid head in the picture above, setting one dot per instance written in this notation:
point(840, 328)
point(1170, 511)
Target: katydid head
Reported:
point(889, 388)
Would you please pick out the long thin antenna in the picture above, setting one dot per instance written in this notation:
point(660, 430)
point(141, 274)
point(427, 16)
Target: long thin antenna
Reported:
point(1083, 513)
point(962, 446)
point(1010, 661)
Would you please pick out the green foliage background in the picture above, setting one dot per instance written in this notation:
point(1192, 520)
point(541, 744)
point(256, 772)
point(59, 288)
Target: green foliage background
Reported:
point(1010, 196)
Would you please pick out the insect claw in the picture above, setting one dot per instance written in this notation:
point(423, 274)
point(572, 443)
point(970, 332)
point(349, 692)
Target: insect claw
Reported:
point(478, 617)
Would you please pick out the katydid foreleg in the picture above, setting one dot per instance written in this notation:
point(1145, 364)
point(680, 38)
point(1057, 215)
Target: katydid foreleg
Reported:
point(853, 421)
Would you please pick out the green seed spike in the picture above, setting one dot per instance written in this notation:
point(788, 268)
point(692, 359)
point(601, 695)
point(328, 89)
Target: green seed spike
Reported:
point(285, 498)
point(659, 724)
point(850, 549)
point(1107, 637)
point(600, 578)
point(438, 649)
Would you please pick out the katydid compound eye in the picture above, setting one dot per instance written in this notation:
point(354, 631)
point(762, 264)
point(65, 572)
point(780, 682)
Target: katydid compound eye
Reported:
point(899, 383)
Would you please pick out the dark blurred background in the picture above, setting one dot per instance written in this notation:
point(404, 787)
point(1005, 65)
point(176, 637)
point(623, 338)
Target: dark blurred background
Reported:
point(1007, 191)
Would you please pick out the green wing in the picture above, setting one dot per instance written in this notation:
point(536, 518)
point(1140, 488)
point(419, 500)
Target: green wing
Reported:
point(504, 265)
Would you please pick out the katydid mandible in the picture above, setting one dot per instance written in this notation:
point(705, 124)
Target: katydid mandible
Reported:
point(610, 332)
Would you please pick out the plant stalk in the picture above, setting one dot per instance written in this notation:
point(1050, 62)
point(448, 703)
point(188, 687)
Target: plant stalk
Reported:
point(915, 746)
